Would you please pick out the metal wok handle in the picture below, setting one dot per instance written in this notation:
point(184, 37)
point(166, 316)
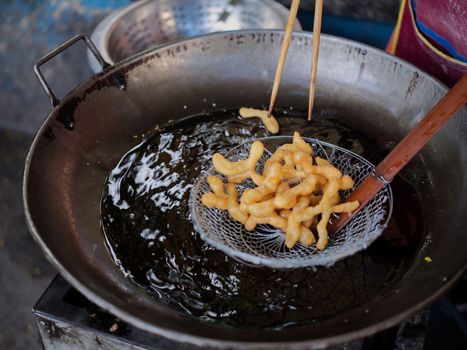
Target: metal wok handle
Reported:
point(53, 99)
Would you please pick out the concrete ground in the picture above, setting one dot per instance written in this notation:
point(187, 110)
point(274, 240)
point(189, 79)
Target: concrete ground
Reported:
point(24, 272)
point(28, 30)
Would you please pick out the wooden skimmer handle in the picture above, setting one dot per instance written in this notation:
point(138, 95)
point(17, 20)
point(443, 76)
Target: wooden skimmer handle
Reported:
point(410, 145)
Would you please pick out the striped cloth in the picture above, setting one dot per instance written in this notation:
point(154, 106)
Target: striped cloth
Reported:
point(432, 34)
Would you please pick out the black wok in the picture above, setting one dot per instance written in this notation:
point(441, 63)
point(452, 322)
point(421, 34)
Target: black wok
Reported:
point(89, 130)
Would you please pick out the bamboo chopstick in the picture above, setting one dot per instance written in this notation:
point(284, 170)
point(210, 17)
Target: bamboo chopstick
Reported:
point(283, 54)
point(314, 60)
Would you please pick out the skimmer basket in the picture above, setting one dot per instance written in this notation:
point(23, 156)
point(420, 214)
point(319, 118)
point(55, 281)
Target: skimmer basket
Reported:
point(265, 245)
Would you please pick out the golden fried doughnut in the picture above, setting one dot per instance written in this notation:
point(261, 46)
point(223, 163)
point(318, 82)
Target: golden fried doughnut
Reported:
point(292, 194)
point(242, 167)
point(269, 121)
point(219, 199)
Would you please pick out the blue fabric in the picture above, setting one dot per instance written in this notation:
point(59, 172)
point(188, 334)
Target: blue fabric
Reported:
point(425, 30)
point(373, 33)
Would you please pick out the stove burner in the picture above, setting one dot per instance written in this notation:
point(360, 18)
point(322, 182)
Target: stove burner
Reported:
point(67, 320)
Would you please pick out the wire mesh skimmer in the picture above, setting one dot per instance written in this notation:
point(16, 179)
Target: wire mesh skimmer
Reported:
point(265, 245)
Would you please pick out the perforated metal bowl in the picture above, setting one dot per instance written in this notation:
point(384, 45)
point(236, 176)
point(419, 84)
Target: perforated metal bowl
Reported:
point(147, 24)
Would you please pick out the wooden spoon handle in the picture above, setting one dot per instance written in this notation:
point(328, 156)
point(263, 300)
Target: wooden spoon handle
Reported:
point(429, 126)
point(410, 145)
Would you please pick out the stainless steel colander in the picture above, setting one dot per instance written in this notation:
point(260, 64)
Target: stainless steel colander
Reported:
point(147, 24)
point(265, 245)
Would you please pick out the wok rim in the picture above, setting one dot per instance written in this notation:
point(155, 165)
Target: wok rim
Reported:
point(198, 340)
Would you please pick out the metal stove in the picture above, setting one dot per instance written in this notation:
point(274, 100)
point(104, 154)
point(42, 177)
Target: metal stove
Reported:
point(67, 320)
